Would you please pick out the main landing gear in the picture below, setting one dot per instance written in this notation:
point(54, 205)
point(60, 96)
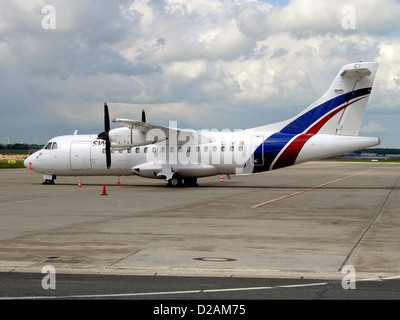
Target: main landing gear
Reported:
point(176, 181)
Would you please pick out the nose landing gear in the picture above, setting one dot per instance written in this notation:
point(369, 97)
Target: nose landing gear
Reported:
point(49, 179)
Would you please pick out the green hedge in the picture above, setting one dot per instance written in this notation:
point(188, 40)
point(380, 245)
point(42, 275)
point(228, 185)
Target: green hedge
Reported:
point(5, 164)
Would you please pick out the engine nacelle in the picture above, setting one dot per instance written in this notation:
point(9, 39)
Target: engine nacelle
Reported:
point(125, 138)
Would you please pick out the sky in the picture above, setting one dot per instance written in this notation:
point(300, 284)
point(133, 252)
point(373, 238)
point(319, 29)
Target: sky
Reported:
point(207, 64)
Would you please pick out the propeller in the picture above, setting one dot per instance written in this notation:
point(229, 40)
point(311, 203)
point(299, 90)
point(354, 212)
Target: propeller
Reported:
point(105, 135)
point(143, 116)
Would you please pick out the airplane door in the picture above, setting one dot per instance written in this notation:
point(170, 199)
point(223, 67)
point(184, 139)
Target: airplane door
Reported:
point(80, 155)
point(257, 144)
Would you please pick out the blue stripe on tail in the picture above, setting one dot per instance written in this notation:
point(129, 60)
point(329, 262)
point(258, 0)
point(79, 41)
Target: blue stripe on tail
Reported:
point(301, 123)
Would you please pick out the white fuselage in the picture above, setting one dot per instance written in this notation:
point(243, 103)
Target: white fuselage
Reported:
point(85, 155)
point(226, 153)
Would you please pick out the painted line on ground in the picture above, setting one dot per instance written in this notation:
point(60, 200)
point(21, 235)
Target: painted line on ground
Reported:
point(260, 205)
point(195, 291)
point(138, 294)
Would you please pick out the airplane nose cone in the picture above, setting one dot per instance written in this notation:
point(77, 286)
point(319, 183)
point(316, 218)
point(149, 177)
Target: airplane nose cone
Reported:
point(26, 162)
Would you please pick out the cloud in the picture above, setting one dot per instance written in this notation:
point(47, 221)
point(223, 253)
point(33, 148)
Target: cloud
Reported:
point(217, 63)
point(311, 17)
point(372, 127)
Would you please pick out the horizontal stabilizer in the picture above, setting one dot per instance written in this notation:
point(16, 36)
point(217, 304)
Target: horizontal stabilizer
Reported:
point(356, 72)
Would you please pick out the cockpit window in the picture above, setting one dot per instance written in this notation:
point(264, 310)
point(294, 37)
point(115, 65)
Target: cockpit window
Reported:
point(51, 146)
point(48, 146)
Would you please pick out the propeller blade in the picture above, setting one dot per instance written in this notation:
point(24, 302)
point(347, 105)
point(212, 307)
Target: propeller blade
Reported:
point(108, 154)
point(143, 116)
point(105, 135)
point(106, 118)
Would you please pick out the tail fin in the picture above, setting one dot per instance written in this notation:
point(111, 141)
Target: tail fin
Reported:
point(341, 109)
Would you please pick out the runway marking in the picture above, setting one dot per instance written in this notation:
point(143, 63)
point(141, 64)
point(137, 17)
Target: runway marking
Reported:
point(307, 190)
point(138, 294)
point(198, 291)
point(12, 203)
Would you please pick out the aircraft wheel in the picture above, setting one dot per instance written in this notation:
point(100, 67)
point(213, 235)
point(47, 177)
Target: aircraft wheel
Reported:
point(48, 181)
point(191, 182)
point(175, 181)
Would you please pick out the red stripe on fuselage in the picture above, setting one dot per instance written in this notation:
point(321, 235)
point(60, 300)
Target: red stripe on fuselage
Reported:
point(289, 155)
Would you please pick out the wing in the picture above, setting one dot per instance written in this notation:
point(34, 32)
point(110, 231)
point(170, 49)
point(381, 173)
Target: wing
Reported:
point(181, 136)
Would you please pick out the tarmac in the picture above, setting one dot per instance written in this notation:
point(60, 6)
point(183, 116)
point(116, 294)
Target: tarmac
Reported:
point(305, 221)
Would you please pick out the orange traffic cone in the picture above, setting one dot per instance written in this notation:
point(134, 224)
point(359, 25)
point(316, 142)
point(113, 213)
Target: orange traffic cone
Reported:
point(79, 183)
point(118, 181)
point(220, 178)
point(104, 190)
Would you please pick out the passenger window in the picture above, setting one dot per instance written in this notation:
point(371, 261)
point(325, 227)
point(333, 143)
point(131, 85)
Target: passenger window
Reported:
point(137, 150)
point(232, 148)
point(240, 148)
point(215, 149)
point(223, 148)
point(205, 149)
point(145, 150)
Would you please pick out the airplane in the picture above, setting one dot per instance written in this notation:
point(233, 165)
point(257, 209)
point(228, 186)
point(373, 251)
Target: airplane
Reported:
point(328, 127)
